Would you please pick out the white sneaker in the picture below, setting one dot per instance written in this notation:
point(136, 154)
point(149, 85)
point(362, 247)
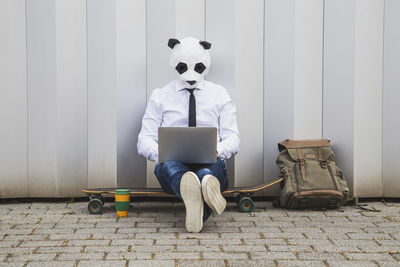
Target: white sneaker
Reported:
point(210, 187)
point(191, 195)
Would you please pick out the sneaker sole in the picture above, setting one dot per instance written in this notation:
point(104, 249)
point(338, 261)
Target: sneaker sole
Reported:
point(212, 194)
point(191, 195)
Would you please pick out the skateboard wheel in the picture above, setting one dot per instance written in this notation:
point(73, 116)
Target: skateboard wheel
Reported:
point(246, 204)
point(95, 206)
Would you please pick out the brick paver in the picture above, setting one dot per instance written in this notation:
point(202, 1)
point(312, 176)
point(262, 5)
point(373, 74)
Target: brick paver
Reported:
point(65, 234)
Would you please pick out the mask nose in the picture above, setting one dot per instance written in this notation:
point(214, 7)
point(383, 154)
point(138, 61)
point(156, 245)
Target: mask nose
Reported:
point(191, 82)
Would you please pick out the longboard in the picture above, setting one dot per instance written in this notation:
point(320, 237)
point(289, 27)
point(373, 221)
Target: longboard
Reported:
point(243, 197)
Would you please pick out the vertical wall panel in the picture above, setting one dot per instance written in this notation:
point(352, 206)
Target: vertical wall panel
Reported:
point(13, 97)
point(391, 97)
point(190, 18)
point(338, 89)
point(131, 83)
point(71, 96)
point(102, 93)
point(160, 27)
point(278, 80)
point(220, 31)
point(368, 98)
point(249, 72)
point(308, 69)
point(353, 78)
point(42, 98)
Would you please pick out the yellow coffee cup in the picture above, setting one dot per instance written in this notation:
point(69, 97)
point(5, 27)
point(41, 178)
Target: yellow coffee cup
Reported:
point(122, 198)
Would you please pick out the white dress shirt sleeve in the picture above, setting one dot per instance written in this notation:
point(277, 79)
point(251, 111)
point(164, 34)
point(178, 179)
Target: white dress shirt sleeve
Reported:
point(228, 129)
point(147, 145)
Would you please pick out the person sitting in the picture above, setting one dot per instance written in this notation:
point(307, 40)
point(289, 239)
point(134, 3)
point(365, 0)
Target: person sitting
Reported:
point(191, 101)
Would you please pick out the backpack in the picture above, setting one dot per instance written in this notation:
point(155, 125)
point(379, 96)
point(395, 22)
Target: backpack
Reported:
point(311, 178)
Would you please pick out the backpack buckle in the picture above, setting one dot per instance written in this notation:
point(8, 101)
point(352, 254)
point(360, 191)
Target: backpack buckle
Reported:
point(323, 164)
point(302, 163)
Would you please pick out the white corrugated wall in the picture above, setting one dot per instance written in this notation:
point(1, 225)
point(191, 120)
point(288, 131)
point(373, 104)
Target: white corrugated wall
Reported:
point(75, 76)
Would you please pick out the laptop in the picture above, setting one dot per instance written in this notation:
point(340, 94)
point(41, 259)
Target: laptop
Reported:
point(192, 145)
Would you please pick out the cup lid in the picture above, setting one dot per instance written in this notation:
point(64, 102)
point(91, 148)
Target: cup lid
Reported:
point(122, 191)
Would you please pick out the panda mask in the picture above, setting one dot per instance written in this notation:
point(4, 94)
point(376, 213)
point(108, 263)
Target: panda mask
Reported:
point(190, 59)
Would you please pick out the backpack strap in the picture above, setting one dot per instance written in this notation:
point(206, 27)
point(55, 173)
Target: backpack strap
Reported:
point(302, 164)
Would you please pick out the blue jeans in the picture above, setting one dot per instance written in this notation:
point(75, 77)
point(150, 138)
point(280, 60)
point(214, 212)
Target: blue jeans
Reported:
point(169, 175)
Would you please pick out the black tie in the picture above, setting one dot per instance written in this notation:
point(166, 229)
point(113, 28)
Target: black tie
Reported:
point(192, 109)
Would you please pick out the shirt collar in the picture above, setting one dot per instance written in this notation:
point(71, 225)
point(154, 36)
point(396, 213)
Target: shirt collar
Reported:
point(179, 86)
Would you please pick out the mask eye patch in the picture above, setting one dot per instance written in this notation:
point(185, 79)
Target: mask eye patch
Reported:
point(181, 67)
point(199, 67)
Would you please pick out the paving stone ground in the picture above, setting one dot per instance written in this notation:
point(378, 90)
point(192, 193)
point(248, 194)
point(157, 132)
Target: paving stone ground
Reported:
point(65, 234)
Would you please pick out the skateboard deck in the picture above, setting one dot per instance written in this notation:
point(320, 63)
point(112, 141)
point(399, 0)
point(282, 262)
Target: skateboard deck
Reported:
point(243, 197)
point(160, 191)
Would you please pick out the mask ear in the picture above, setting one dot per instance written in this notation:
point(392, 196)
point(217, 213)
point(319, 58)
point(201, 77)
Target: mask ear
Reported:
point(205, 44)
point(172, 42)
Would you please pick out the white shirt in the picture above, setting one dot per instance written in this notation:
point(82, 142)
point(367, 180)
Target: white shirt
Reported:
point(169, 106)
